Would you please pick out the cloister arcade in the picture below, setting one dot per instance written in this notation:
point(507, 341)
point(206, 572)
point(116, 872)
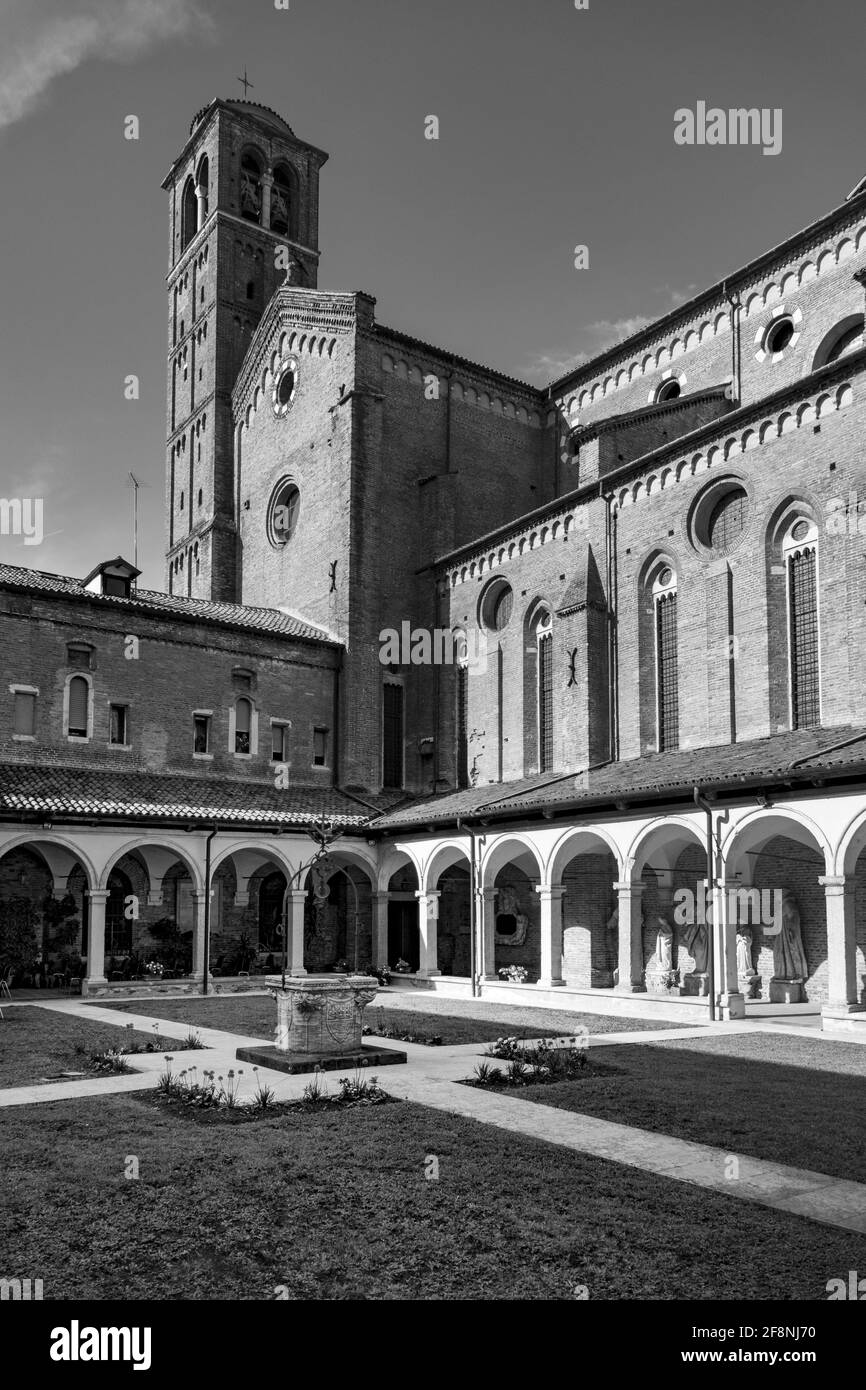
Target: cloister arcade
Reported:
point(559, 912)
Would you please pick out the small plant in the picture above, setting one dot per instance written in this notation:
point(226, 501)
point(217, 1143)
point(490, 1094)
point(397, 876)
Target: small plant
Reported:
point(516, 974)
point(155, 967)
point(402, 967)
point(264, 1095)
point(383, 974)
point(485, 1075)
point(110, 1061)
point(314, 1091)
point(192, 1042)
point(356, 1090)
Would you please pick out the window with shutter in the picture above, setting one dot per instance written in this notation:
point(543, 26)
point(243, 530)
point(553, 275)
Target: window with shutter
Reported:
point(79, 699)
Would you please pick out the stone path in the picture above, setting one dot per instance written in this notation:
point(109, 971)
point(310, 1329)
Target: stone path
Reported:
point(429, 1078)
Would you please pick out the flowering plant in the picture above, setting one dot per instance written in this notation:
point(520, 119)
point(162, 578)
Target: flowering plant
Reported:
point(403, 967)
point(155, 967)
point(516, 973)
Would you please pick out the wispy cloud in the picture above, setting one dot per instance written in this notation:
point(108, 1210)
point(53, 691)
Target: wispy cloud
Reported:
point(596, 337)
point(41, 43)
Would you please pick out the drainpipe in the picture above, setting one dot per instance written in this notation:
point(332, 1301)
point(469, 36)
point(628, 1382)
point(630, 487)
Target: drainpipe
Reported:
point(473, 915)
point(711, 953)
point(207, 861)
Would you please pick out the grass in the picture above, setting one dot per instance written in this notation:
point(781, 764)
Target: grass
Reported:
point(799, 1101)
point(335, 1206)
point(451, 1019)
point(37, 1043)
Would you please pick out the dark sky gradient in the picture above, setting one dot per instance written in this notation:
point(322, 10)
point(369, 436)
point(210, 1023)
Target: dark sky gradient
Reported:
point(556, 129)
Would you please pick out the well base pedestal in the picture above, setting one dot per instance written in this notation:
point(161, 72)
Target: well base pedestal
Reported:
point(295, 1062)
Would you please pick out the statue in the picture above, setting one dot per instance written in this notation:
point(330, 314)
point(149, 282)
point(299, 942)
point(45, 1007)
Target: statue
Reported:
point(612, 924)
point(697, 943)
point(664, 954)
point(789, 958)
point(745, 969)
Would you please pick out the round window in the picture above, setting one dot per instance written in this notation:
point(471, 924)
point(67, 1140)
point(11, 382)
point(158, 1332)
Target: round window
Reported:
point(496, 605)
point(669, 391)
point(285, 387)
point(779, 335)
point(283, 514)
point(719, 517)
point(800, 530)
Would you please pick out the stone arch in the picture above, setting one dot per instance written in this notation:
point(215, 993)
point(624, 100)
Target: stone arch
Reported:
point(754, 831)
point(508, 849)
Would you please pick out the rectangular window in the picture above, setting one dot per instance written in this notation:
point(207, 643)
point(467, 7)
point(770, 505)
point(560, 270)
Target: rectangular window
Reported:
point(201, 733)
point(666, 672)
point(118, 720)
point(392, 736)
point(279, 743)
point(805, 671)
point(462, 726)
point(545, 702)
point(320, 747)
point(24, 714)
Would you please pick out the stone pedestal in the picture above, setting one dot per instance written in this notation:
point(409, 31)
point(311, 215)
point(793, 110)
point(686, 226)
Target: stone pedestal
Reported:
point(660, 981)
point(750, 986)
point(696, 984)
point(319, 1025)
point(321, 1015)
point(786, 991)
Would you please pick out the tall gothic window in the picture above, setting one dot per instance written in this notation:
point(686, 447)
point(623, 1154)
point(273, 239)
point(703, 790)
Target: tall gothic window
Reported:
point(78, 710)
point(392, 736)
point(243, 724)
point(800, 550)
point(461, 721)
point(544, 694)
point(189, 215)
point(667, 675)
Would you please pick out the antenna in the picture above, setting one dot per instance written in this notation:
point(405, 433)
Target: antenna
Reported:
point(135, 486)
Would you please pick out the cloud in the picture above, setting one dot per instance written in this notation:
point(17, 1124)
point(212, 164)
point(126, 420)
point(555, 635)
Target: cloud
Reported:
point(41, 44)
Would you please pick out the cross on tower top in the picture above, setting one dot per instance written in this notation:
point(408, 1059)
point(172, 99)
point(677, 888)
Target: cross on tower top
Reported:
point(244, 82)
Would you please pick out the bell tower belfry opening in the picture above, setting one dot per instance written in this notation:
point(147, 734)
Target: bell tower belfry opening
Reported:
point(243, 209)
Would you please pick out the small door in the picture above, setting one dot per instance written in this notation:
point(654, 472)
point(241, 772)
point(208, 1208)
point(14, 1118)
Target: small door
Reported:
point(403, 943)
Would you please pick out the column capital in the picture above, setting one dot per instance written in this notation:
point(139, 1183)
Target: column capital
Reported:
point(488, 894)
point(381, 895)
point(98, 895)
point(428, 892)
point(624, 886)
point(553, 891)
point(835, 883)
point(298, 895)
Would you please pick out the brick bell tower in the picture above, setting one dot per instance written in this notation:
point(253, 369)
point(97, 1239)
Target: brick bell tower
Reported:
point(243, 201)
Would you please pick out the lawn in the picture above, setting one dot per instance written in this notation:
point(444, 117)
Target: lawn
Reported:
point(39, 1044)
point(454, 1020)
point(799, 1101)
point(337, 1206)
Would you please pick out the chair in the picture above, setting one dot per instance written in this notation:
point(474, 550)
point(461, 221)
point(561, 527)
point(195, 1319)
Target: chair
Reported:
point(5, 981)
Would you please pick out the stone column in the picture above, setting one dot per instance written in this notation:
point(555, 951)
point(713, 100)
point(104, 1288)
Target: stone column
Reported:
point(200, 197)
point(295, 944)
point(723, 944)
point(487, 964)
point(630, 944)
point(380, 928)
point(842, 994)
point(267, 185)
point(428, 923)
point(198, 962)
point(551, 934)
point(98, 897)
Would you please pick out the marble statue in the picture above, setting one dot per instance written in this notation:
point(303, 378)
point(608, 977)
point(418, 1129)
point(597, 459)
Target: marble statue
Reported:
point(745, 968)
point(789, 958)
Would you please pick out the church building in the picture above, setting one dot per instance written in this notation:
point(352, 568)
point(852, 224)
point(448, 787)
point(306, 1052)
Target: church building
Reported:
point(570, 681)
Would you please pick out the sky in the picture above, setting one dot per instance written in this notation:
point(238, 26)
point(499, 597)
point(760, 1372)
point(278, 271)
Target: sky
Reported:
point(556, 130)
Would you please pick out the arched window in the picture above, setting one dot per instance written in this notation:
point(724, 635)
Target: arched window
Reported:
point(118, 927)
point(189, 215)
point(844, 337)
point(544, 688)
point(202, 179)
point(664, 595)
point(78, 708)
point(251, 188)
point(800, 552)
point(243, 725)
point(271, 894)
point(283, 202)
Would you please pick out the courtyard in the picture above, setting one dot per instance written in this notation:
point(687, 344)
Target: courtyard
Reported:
point(617, 1185)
